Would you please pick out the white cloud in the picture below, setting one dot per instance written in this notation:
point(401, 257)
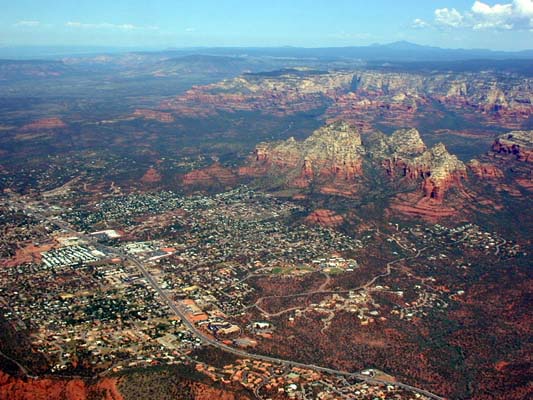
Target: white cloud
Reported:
point(496, 16)
point(106, 25)
point(28, 23)
point(524, 7)
point(497, 10)
point(515, 14)
point(419, 23)
point(448, 17)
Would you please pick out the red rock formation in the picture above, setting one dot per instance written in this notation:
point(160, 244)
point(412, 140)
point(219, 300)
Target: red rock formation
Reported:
point(484, 170)
point(152, 114)
point(12, 388)
point(395, 97)
point(45, 123)
point(307, 170)
point(325, 218)
point(434, 184)
point(436, 190)
point(151, 176)
point(213, 175)
point(261, 153)
point(517, 143)
point(364, 97)
point(438, 170)
point(426, 208)
point(284, 94)
point(332, 159)
point(435, 169)
point(332, 153)
point(404, 155)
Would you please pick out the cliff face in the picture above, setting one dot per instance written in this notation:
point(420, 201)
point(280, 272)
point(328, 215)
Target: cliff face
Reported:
point(399, 169)
point(485, 170)
point(435, 171)
point(484, 92)
point(512, 156)
point(398, 99)
point(336, 152)
point(517, 143)
point(333, 152)
point(362, 97)
point(404, 155)
point(438, 169)
point(278, 93)
point(397, 151)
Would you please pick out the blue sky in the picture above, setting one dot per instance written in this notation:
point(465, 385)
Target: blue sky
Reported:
point(311, 23)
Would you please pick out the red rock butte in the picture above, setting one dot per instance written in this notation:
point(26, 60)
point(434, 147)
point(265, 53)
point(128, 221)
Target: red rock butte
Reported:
point(334, 154)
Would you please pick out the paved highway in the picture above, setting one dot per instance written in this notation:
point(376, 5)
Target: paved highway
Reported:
point(242, 353)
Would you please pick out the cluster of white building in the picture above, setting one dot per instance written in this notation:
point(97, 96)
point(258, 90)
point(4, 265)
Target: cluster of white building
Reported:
point(70, 255)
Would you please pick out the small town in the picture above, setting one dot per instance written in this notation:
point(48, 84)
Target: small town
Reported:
point(88, 303)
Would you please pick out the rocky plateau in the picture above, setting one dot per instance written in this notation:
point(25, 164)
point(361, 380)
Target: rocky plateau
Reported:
point(363, 97)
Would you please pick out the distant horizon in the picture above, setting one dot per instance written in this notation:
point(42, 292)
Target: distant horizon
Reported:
point(506, 25)
point(25, 51)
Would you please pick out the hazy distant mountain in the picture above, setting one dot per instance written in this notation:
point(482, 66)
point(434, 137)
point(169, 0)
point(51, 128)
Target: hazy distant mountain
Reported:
point(397, 51)
point(225, 62)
